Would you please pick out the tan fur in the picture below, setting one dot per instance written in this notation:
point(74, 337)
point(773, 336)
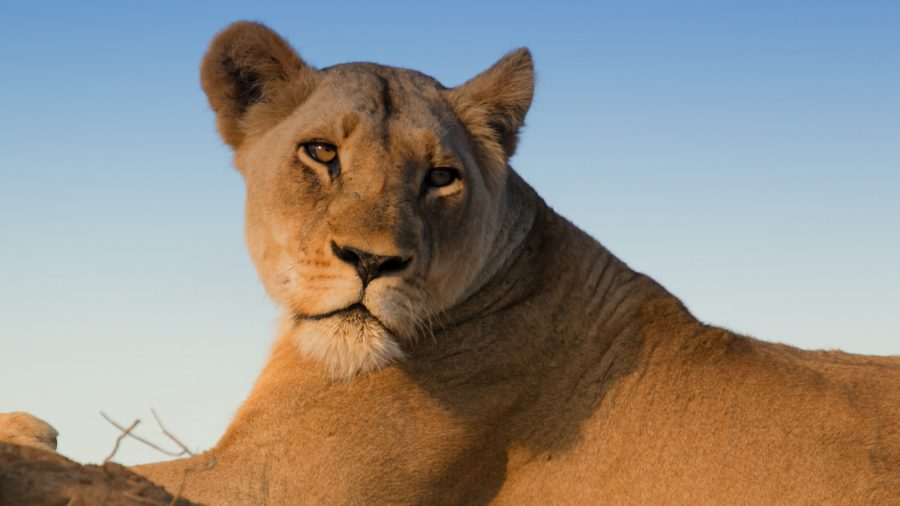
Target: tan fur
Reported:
point(514, 360)
point(27, 430)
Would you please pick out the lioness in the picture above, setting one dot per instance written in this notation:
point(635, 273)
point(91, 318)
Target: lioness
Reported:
point(448, 339)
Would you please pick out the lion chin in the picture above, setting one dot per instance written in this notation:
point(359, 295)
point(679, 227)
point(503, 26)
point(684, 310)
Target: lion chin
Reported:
point(348, 342)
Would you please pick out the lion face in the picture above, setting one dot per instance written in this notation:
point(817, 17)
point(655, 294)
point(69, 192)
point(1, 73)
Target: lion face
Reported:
point(368, 247)
point(374, 194)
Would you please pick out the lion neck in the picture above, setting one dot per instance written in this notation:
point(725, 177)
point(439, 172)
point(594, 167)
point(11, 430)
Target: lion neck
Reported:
point(557, 324)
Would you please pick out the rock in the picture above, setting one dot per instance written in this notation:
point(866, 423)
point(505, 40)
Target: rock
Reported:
point(32, 476)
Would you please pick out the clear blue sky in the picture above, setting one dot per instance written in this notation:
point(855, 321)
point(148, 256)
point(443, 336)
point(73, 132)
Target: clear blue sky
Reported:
point(745, 154)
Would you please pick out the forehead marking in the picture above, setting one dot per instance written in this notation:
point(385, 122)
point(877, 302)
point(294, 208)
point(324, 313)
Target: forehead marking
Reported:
point(387, 107)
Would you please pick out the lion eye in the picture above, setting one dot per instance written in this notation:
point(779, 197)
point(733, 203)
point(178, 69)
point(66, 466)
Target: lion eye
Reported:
point(440, 177)
point(321, 152)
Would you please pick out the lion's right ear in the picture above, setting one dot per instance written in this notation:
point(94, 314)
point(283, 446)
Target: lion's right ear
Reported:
point(493, 104)
point(252, 78)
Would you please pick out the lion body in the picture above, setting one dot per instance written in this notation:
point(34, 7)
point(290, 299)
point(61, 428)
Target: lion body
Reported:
point(597, 387)
point(448, 339)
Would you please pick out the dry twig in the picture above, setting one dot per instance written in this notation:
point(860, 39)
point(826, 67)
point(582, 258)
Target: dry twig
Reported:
point(123, 435)
point(209, 464)
point(171, 436)
point(127, 432)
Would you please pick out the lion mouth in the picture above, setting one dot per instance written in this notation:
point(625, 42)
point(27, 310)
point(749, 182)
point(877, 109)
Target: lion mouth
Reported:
point(356, 313)
point(357, 310)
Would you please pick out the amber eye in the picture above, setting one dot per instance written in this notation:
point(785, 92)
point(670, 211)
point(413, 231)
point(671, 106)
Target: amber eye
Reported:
point(441, 177)
point(321, 152)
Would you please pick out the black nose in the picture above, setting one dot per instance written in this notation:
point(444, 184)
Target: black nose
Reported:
point(369, 265)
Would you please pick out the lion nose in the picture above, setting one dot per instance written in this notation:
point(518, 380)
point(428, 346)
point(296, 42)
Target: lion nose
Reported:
point(369, 265)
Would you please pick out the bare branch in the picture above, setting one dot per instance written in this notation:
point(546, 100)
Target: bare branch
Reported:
point(206, 466)
point(127, 432)
point(123, 435)
point(171, 436)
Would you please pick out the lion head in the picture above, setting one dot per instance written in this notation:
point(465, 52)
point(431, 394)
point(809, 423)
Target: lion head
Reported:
point(375, 195)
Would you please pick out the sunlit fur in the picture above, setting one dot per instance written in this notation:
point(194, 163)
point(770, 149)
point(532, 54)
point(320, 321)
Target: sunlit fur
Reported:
point(27, 430)
point(515, 360)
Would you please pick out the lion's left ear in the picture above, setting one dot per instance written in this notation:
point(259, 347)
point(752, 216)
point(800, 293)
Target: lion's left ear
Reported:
point(252, 78)
point(493, 104)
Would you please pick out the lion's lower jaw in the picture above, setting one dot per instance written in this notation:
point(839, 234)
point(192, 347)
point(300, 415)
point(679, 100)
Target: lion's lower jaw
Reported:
point(346, 348)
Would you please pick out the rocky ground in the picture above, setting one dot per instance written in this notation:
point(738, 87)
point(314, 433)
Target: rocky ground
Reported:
point(31, 476)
